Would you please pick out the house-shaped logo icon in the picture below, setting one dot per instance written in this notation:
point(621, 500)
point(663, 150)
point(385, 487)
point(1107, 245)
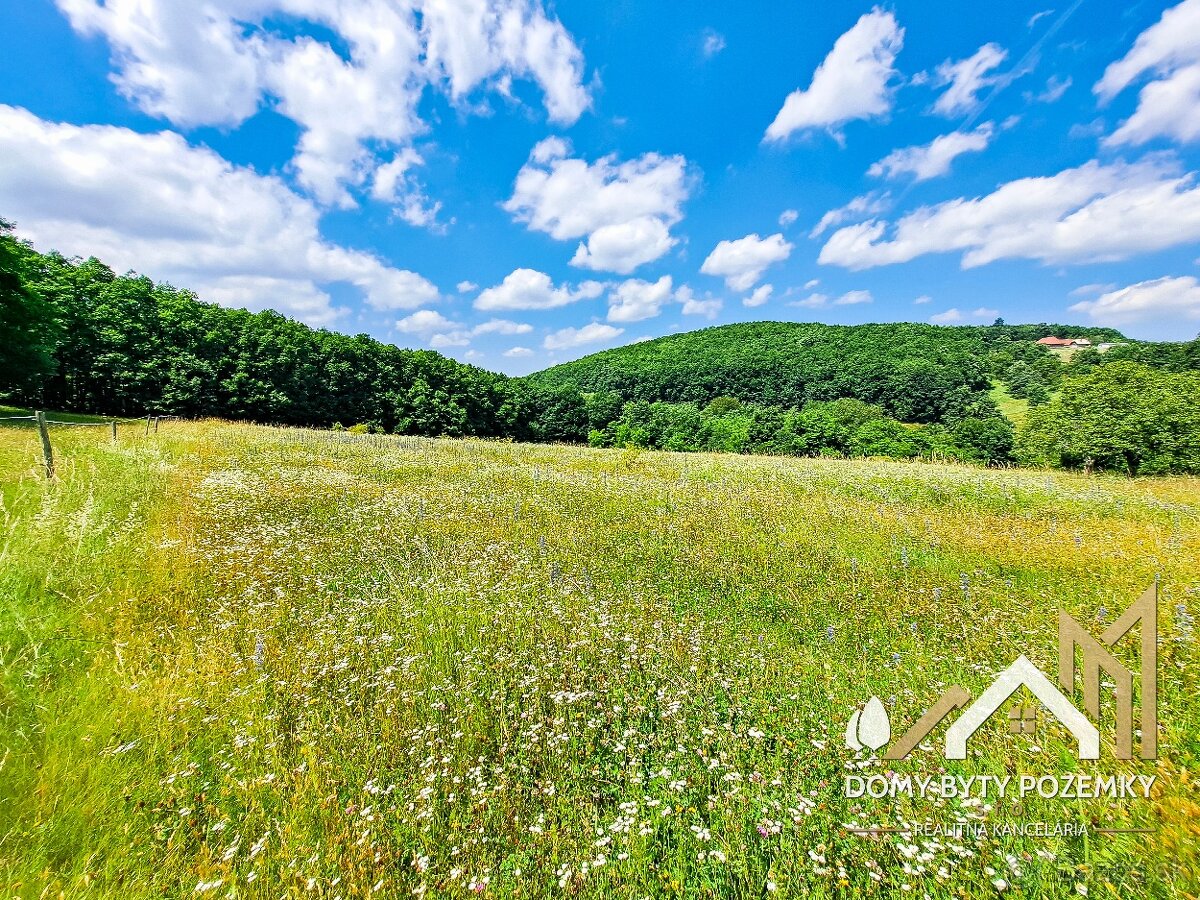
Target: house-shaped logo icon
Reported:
point(870, 726)
point(1022, 673)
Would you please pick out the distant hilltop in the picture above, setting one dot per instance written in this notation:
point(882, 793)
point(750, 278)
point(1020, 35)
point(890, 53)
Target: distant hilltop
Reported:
point(916, 372)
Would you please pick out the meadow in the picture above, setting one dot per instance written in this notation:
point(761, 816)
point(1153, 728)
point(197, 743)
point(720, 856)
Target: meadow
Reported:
point(241, 661)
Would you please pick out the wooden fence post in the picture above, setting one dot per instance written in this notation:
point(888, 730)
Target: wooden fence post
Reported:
point(114, 430)
point(147, 424)
point(47, 450)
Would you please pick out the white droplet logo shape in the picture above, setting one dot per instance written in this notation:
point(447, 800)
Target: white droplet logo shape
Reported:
point(852, 732)
point(874, 728)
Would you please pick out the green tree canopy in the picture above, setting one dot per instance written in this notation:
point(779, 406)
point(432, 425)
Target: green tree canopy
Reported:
point(27, 327)
point(1123, 417)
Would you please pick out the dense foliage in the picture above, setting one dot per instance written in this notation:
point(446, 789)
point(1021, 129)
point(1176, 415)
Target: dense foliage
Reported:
point(123, 345)
point(844, 427)
point(1123, 417)
point(915, 373)
point(1170, 357)
point(26, 326)
point(76, 336)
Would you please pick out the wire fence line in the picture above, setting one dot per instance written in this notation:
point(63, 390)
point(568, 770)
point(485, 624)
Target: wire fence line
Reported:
point(306, 435)
point(106, 423)
point(44, 424)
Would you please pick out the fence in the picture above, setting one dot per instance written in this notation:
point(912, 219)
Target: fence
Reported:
point(43, 426)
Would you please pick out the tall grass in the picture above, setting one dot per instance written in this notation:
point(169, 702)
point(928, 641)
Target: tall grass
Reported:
point(255, 662)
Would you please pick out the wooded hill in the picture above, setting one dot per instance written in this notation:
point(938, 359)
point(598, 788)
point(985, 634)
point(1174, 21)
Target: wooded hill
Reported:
point(77, 337)
point(915, 373)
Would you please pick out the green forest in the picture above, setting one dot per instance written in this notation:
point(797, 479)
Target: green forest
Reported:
point(75, 336)
point(915, 373)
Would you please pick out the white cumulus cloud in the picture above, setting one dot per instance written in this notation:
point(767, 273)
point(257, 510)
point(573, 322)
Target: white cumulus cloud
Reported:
point(1055, 88)
point(394, 183)
point(530, 289)
point(568, 338)
point(965, 78)
point(623, 247)
point(623, 210)
point(1169, 105)
point(933, 159)
point(742, 262)
point(853, 81)
point(761, 295)
point(706, 306)
point(1154, 308)
point(441, 332)
point(949, 317)
point(854, 298)
point(501, 326)
point(424, 321)
point(635, 300)
point(1172, 41)
point(814, 300)
point(179, 213)
point(218, 62)
point(861, 207)
point(1092, 213)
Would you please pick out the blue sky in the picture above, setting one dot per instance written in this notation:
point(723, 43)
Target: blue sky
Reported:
point(517, 183)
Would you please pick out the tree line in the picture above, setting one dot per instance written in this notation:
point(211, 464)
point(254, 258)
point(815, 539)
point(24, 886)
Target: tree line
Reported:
point(76, 336)
point(843, 428)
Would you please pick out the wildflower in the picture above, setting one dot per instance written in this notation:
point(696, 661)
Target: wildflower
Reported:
point(1184, 622)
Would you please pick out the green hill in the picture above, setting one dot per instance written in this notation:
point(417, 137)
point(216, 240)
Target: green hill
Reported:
point(917, 373)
